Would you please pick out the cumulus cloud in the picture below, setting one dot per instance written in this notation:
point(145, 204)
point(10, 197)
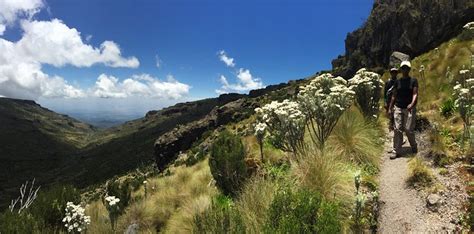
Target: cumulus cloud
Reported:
point(61, 45)
point(12, 10)
point(48, 42)
point(245, 82)
point(226, 59)
point(143, 85)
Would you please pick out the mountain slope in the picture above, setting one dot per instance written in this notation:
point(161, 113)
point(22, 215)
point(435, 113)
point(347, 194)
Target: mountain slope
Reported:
point(34, 141)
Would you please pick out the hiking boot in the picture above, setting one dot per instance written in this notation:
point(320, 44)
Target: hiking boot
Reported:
point(393, 154)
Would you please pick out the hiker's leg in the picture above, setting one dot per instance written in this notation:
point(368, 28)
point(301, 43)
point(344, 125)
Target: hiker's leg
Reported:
point(410, 128)
point(398, 130)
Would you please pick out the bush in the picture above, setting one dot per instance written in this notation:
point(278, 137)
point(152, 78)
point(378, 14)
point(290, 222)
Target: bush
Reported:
point(420, 174)
point(49, 207)
point(12, 222)
point(302, 211)
point(221, 217)
point(227, 163)
point(447, 108)
point(368, 87)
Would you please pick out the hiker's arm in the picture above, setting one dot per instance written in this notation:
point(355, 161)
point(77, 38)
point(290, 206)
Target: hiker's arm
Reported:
point(413, 99)
point(385, 98)
point(392, 101)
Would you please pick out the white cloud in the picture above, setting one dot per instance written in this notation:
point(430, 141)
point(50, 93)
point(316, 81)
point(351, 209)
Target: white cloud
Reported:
point(12, 10)
point(158, 61)
point(143, 85)
point(53, 42)
point(245, 82)
point(22, 77)
point(226, 59)
point(2, 29)
point(50, 42)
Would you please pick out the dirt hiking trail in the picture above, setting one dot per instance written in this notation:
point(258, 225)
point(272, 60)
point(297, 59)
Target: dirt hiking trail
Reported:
point(404, 209)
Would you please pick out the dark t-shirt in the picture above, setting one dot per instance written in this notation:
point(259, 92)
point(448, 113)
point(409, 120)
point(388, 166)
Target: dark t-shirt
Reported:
point(404, 91)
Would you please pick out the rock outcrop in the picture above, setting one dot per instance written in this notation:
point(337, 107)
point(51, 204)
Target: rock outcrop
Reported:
point(168, 146)
point(409, 26)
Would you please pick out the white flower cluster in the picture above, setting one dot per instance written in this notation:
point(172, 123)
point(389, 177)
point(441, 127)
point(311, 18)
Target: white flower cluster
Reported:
point(464, 95)
point(284, 121)
point(260, 129)
point(112, 200)
point(469, 26)
point(368, 87)
point(463, 72)
point(323, 101)
point(75, 219)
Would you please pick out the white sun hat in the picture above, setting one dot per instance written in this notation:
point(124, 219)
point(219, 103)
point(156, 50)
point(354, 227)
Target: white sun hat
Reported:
point(405, 63)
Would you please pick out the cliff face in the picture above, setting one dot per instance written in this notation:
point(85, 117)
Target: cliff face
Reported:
point(409, 26)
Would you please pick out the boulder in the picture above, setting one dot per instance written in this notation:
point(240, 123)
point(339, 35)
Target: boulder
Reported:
point(132, 229)
point(398, 57)
point(433, 201)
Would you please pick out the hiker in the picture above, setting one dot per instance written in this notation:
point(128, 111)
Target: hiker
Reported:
point(403, 107)
point(387, 94)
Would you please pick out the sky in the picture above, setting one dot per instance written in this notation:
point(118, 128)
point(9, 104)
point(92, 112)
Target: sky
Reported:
point(131, 56)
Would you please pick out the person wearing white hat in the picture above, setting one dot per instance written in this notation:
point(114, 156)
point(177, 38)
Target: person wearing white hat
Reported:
point(403, 107)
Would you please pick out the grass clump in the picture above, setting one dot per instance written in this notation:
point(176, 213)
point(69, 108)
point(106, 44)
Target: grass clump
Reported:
point(420, 174)
point(220, 217)
point(302, 211)
point(227, 163)
point(355, 139)
point(325, 174)
point(49, 207)
point(254, 202)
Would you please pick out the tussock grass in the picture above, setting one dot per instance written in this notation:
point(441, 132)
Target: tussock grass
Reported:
point(355, 139)
point(420, 174)
point(169, 200)
point(254, 202)
point(182, 221)
point(325, 174)
point(100, 222)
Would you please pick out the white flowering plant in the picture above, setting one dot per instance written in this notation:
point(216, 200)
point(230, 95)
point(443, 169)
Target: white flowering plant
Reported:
point(75, 219)
point(111, 203)
point(322, 102)
point(285, 123)
point(260, 131)
point(464, 100)
point(368, 91)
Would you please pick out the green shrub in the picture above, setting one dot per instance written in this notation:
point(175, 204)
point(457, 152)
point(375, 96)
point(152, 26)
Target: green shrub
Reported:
point(49, 207)
point(447, 108)
point(12, 222)
point(227, 163)
point(302, 211)
point(220, 217)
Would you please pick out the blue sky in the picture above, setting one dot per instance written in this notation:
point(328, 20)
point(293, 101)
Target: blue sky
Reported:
point(270, 42)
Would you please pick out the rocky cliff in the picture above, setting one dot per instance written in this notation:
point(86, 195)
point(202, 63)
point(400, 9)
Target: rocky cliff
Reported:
point(409, 26)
